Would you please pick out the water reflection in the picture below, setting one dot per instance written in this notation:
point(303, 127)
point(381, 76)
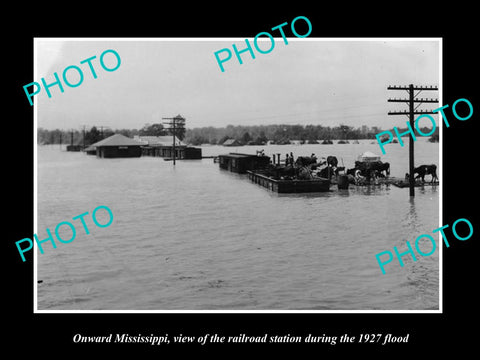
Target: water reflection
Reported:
point(411, 217)
point(372, 189)
point(325, 194)
point(343, 192)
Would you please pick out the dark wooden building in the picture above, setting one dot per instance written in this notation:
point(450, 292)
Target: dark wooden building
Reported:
point(240, 163)
point(284, 186)
point(74, 147)
point(162, 146)
point(90, 150)
point(117, 146)
point(78, 146)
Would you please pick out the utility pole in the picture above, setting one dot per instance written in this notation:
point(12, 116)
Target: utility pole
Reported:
point(175, 123)
point(412, 111)
point(83, 137)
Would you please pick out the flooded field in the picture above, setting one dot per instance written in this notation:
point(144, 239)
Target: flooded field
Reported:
point(194, 237)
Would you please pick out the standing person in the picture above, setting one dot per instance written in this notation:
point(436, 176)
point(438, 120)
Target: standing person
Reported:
point(286, 159)
point(291, 158)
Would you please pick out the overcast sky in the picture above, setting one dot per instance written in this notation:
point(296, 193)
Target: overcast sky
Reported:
point(309, 81)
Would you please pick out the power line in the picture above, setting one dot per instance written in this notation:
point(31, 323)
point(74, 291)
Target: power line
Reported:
point(411, 114)
point(177, 122)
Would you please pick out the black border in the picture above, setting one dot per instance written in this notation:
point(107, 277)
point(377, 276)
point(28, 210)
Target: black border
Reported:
point(429, 333)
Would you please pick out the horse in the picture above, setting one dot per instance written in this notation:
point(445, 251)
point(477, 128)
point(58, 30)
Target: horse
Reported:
point(332, 161)
point(321, 161)
point(378, 174)
point(423, 170)
point(365, 176)
point(362, 173)
point(359, 164)
point(351, 171)
point(305, 161)
point(375, 166)
point(380, 167)
point(304, 173)
point(326, 172)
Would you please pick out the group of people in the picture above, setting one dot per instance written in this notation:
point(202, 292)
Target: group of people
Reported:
point(289, 160)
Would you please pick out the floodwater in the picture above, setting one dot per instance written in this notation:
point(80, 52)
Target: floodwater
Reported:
point(194, 237)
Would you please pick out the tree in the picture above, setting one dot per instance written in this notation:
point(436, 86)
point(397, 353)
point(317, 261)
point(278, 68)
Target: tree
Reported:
point(128, 132)
point(93, 136)
point(311, 138)
point(281, 136)
point(43, 136)
point(261, 139)
point(198, 140)
point(246, 138)
point(345, 130)
point(153, 130)
point(107, 133)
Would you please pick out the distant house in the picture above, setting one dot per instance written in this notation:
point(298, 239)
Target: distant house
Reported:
point(231, 142)
point(162, 146)
point(116, 146)
point(77, 147)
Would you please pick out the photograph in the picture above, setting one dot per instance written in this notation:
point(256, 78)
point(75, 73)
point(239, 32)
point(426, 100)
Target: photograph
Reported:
point(240, 180)
point(172, 177)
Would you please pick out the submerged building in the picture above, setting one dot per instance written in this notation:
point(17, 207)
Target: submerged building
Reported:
point(162, 146)
point(231, 142)
point(116, 146)
point(77, 147)
point(241, 163)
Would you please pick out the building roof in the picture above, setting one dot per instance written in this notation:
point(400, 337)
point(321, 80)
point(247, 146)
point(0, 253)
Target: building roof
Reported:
point(230, 142)
point(158, 140)
point(117, 140)
point(238, 155)
point(368, 156)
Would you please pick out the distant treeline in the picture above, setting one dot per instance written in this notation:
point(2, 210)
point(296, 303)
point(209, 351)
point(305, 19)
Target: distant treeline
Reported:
point(281, 134)
point(253, 135)
point(95, 134)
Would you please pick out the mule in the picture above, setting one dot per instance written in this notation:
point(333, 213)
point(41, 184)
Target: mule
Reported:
point(424, 170)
